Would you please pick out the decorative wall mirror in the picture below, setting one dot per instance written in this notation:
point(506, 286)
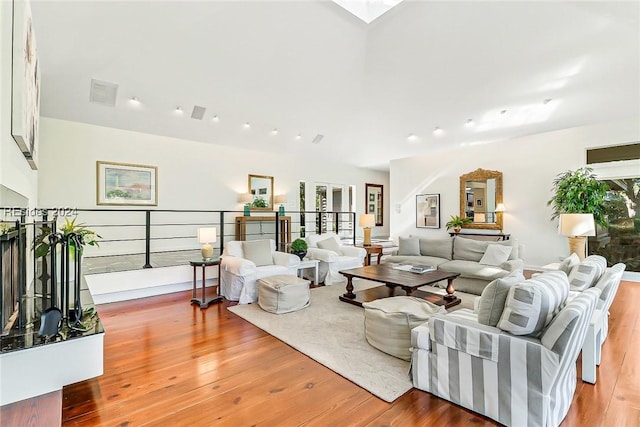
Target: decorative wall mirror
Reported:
point(261, 189)
point(480, 194)
point(374, 201)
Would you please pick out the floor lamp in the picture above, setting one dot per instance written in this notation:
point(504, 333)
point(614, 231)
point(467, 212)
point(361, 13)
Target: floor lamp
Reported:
point(577, 227)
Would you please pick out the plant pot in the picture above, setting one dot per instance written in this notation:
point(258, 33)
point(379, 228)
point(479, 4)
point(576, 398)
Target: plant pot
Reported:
point(300, 254)
point(456, 230)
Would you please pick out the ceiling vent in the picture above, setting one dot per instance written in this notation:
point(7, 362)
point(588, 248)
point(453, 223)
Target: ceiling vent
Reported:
point(317, 139)
point(198, 112)
point(103, 93)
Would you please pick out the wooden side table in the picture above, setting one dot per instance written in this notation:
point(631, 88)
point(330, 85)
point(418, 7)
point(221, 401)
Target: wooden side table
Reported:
point(372, 250)
point(204, 264)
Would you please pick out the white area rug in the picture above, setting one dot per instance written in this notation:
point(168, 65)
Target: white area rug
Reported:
point(332, 333)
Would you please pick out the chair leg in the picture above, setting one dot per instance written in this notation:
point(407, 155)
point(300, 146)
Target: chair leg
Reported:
point(589, 356)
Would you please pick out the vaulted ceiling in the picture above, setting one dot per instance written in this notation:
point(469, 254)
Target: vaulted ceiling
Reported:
point(310, 67)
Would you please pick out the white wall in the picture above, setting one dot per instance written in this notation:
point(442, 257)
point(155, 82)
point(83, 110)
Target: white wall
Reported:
point(529, 165)
point(15, 172)
point(191, 175)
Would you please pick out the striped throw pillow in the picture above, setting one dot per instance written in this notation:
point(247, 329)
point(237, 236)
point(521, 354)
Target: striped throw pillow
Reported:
point(531, 305)
point(585, 274)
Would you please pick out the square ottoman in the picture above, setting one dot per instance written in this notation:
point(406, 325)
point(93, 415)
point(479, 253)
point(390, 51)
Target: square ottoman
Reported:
point(388, 322)
point(283, 293)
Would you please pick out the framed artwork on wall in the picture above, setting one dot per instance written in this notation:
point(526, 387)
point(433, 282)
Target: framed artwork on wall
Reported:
point(374, 203)
point(428, 211)
point(126, 184)
point(25, 109)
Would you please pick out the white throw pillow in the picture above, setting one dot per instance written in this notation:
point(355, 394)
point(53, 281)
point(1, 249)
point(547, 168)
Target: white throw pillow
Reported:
point(495, 255)
point(569, 262)
point(258, 251)
point(409, 246)
point(330, 244)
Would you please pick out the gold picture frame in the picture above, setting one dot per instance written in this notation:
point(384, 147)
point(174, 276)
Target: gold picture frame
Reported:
point(260, 187)
point(126, 184)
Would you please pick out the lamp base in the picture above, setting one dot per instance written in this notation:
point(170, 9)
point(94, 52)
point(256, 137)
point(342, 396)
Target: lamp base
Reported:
point(578, 245)
point(367, 237)
point(207, 252)
point(247, 211)
point(281, 210)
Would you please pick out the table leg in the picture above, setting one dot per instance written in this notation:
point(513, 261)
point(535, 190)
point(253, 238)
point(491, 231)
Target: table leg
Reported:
point(379, 256)
point(408, 290)
point(349, 293)
point(193, 294)
point(316, 275)
point(450, 290)
point(204, 286)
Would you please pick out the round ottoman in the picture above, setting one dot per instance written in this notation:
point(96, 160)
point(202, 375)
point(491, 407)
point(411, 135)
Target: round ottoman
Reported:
point(388, 322)
point(283, 293)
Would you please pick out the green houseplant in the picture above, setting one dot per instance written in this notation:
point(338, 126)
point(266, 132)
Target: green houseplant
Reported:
point(579, 191)
point(299, 247)
point(456, 222)
point(89, 237)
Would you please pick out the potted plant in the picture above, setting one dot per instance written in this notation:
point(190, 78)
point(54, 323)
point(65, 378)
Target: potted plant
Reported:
point(299, 247)
point(89, 237)
point(579, 192)
point(456, 222)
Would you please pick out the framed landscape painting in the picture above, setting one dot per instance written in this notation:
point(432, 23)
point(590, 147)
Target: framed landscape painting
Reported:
point(126, 184)
point(428, 211)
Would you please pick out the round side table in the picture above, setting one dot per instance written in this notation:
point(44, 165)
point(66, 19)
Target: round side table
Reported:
point(204, 264)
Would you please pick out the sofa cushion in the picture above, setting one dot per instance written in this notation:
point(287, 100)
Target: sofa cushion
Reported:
point(330, 244)
point(473, 270)
point(495, 255)
point(491, 302)
point(313, 239)
point(416, 260)
point(569, 262)
point(258, 251)
point(531, 304)
point(440, 248)
point(473, 250)
point(408, 246)
point(587, 273)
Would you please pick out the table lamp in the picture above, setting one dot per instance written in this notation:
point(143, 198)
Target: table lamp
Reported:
point(246, 198)
point(576, 227)
point(207, 236)
point(367, 221)
point(282, 198)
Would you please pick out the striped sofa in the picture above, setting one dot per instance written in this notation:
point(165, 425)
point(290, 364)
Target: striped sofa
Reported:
point(516, 380)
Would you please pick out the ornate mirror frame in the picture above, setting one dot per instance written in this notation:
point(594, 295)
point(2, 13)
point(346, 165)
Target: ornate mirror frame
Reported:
point(261, 188)
point(481, 175)
point(374, 203)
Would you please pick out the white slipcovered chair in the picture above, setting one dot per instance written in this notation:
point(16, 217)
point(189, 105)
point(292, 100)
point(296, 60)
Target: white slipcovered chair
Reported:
point(333, 257)
point(243, 263)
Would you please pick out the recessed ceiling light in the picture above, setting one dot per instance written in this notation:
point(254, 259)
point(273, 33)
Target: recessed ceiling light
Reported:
point(437, 131)
point(298, 136)
point(215, 118)
point(274, 131)
point(412, 138)
point(469, 123)
point(546, 101)
point(179, 109)
point(135, 100)
point(247, 125)
point(503, 112)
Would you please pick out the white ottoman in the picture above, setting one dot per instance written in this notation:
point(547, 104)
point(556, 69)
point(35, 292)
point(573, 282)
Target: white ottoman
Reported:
point(388, 322)
point(283, 293)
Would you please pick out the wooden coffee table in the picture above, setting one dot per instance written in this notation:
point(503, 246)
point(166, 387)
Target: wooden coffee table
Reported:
point(398, 283)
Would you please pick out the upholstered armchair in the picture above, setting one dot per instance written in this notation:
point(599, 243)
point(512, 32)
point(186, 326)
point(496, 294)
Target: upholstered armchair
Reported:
point(243, 263)
point(333, 257)
point(514, 378)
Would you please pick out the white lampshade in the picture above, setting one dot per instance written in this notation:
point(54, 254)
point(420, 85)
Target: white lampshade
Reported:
point(576, 225)
point(245, 198)
point(207, 235)
point(500, 207)
point(281, 198)
point(367, 221)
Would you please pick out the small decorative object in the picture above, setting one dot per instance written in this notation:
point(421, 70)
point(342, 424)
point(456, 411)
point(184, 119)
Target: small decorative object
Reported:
point(428, 211)
point(246, 198)
point(367, 222)
point(299, 248)
point(126, 184)
point(457, 222)
point(88, 237)
point(281, 199)
point(207, 236)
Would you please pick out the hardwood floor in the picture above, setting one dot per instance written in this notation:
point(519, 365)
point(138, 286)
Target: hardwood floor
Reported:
point(168, 363)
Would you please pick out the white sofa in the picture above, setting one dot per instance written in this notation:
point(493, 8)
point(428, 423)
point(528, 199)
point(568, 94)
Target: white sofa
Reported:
point(331, 262)
point(510, 376)
point(460, 255)
point(239, 275)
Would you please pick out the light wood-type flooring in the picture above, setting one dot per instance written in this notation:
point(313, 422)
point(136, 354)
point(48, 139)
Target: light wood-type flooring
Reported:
point(168, 363)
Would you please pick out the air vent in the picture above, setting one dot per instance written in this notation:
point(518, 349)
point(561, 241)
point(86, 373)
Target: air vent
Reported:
point(103, 93)
point(317, 139)
point(198, 112)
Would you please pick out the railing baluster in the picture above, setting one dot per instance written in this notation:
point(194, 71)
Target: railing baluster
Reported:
point(147, 250)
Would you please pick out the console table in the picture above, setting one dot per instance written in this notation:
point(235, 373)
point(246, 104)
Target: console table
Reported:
point(482, 236)
point(285, 226)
